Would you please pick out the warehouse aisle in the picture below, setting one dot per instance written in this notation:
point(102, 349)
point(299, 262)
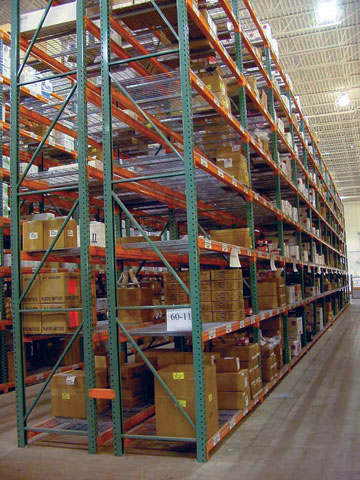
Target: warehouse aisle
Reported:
point(308, 428)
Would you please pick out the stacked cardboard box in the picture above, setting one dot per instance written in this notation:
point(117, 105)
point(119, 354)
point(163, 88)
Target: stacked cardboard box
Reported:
point(180, 380)
point(234, 236)
point(271, 291)
point(68, 391)
point(58, 290)
point(135, 296)
point(273, 327)
point(233, 384)
point(135, 384)
point(249, 360)
point(216, 84)
point(230, 159)
point(39, 233)
point(227, 302)
point(295, 330)
point(268, 364)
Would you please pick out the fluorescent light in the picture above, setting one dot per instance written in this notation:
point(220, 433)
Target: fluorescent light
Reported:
point(327, 13)
point(343, 100)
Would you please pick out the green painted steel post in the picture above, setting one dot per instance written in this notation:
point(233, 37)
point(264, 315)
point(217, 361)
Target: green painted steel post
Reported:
point(192, 225)
point(114, 350)
point(15, 228)
point(86, 294)
point(286, 339)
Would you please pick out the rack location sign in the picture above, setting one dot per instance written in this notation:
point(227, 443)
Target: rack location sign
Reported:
point(178, 319)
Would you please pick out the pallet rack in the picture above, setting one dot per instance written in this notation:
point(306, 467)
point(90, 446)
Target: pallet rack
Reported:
point(142, 105)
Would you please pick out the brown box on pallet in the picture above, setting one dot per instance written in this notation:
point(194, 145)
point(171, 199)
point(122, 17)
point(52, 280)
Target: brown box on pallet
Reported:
point(32, 322)
point(234, 236)
point(68, 392)
point(234, 400)
point(60, 287)
point(130, 297)
point(232, 381)
point(60, 322)
point(33, 235)
point(33, 295)
point(180, 380)
point(68, 238)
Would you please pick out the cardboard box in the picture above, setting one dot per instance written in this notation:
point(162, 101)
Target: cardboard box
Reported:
point(68, 393)
point(68, 238)
point(32, 322)
point(255, 386)
point(232, 274)
point(268, 368)
point(60, 287)
point(233, 236)
point(227, 364)
point(225, 306)
point(180, 380)
point(74, 355)
point(172, 358)
point(135, 296)
point(60, 322)
point(234, 400)
point(274, 323)
point(229, 296)
point(254, 373)
point(33, 236)
point(33, 295)
point(226, 285)
point(267, 302)
point(231, 160)
point(279, 356)
point(214, 81)
point(232, 381)
point(224, 316)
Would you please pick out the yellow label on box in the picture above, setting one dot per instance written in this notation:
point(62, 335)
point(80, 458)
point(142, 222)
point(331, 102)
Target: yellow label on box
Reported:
point(182, 403)
point(210, 397)
point(65, 396)
point(178, 376)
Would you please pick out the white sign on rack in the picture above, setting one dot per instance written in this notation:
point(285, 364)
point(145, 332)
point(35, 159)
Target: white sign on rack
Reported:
point(178, 319)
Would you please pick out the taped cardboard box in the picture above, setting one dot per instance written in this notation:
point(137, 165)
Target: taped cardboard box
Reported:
point(180, 380)
point(68, 393)
point(230, 159)
point(60, 287)
point(227, 364)
point(214, 81)
point(223, 305)
point(254, 373)
point(234, 236)
point(234, 400)
point(226, 285)
point(229, 296)
point(232, 381)
point(33, 236)
point(255, 386)
point(68, 238)
point(137, 296)
point(60, 322)
point(231, 274)
point(33, 295)
point(32, 322)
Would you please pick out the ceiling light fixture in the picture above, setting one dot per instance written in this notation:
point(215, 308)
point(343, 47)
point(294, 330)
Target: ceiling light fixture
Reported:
point(327, 13)
point(343, 100)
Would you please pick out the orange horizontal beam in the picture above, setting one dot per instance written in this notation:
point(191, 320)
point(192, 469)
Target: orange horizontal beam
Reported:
point(104, 393)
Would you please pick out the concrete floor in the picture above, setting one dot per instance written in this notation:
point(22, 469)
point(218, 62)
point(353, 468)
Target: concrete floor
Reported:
point(308, 428)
